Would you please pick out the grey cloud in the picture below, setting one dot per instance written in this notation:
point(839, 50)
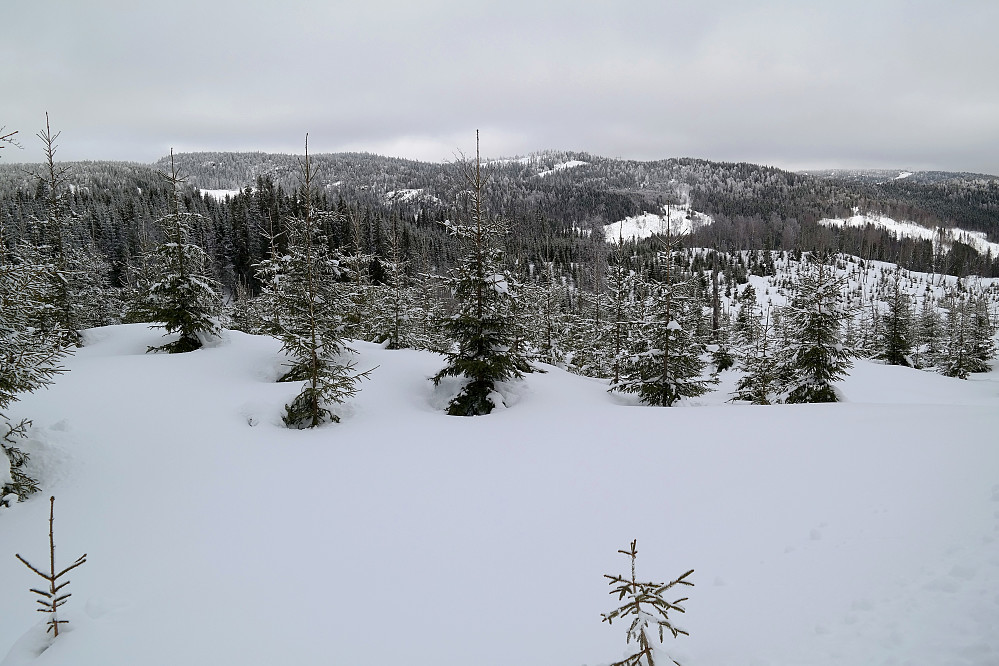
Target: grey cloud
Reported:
point(890, 83)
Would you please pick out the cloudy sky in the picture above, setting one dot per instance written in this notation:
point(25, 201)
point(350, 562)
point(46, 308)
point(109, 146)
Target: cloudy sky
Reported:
point(793, 83)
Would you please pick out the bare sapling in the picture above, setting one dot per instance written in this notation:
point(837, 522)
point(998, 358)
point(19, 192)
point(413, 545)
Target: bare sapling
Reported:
point(53, 598)
point(649, 609)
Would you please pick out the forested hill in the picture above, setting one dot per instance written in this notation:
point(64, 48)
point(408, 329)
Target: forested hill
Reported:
point(551, 199)
point(611, 188)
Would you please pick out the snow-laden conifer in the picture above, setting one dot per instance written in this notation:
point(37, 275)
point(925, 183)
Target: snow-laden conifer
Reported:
point(896, 327)
point(483, 333)
point(29, 357)
point(647, 609)
point(305, 307)
point(815, 357)
point(665, 364)
point(759, 359)
point(181, 297)
point(969, 344)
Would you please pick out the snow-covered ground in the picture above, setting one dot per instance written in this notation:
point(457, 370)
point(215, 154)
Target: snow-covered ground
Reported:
point(410, 195)
point(903, 229)
point(865, 532)
point(220, 195)
point(562, 166)
point(681, 217)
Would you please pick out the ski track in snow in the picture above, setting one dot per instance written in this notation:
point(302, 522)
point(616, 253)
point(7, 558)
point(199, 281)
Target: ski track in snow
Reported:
point(857, 533)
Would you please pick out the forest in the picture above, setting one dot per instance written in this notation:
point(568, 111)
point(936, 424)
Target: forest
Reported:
point(497, 265)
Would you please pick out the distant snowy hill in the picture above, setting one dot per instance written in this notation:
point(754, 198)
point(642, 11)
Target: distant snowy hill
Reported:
point(863, 532)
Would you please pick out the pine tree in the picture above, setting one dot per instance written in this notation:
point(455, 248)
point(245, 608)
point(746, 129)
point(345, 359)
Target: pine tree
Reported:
point(183, 298)
point(621, 282)
point(29, 358)
point(483, 334)
point(56, 243)
point(547, 300)
point(928, 334)
point(896, 345)
point(816, 357)
point(308, 307)
point(760, 363)
point(392, 307)
point(666, 365)
point(968, 337)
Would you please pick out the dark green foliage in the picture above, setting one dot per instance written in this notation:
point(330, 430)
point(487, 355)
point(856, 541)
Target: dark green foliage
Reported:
point(760, 362)
point(896, 344)
point(816, 356)
point(181, 297)
point(483, 331)
point(969, 343)
point(29, 358)
point(664, 363)
point(304, 306)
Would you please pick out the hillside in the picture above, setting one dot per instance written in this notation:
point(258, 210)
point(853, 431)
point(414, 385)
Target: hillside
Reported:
point(549, 199)
point(860, 532)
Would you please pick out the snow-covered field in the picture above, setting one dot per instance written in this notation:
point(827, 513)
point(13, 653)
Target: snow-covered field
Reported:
point(902, 229)
point(681, 218)
point(865, 532)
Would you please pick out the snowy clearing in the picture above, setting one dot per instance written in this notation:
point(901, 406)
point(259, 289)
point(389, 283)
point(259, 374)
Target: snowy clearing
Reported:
point(855, 533)
point(902, 229)
point(682, 219)
point(220, 195)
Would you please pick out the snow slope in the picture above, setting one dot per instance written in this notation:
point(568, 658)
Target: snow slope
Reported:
point(857, 533)
point(681, 217)
point(902, 229)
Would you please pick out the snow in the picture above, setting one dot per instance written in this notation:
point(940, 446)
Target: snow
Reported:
point(410, 195)
point(855, 533)
point(902, 175)
point(220, 195)
point(681, 217)
point(902, 229)
point(561, 166)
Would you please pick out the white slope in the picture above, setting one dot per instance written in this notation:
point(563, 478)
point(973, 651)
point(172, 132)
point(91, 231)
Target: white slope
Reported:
point(220, 195)
point(561, 166)
point(855, 533)
point(681, 218)
point(902, 229)
point(409, 195)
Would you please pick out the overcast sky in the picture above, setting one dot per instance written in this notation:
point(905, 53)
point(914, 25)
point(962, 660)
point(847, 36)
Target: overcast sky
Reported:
point(793, 83)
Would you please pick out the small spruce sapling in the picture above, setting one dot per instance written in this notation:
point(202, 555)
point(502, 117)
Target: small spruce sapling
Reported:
point(649, 609)
point(52, 598)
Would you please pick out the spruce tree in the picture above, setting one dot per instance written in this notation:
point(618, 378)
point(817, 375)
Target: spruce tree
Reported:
point(969, 343)
point(665, 363)
point(392, 305)
point(928, 334)
point(816, 356)
point(896, 325)
point(55, 242)
point(181, 298)
point(307, 310)
point(29, 357)
point(483, 352)
point(647, 609)
point(759, 360)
